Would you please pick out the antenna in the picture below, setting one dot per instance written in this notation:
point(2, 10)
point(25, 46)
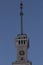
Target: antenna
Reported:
point(21, 15)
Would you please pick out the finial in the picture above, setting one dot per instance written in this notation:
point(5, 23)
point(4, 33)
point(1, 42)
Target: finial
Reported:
point(21, 15)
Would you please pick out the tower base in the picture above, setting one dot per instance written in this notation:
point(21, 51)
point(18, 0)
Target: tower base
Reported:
point(20, 63)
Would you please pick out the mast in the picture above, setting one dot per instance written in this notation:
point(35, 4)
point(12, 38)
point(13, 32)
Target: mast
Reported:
point(21, 15)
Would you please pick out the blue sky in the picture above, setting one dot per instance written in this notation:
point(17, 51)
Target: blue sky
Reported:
point(10, 27)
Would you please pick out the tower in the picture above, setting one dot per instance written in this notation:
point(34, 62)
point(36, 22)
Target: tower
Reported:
point(22, 44)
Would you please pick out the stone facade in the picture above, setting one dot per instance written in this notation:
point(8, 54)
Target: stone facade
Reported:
point(22, 45)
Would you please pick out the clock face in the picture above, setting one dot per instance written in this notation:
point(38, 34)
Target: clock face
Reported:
point(21, 52)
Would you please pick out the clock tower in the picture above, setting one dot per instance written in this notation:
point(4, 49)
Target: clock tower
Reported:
point(22, 45)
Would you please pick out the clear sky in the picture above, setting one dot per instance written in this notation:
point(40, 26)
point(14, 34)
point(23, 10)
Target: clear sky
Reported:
point(10, 27)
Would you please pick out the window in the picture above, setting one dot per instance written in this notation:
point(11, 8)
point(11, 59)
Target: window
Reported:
point(21, 41)
point(21, 58)
point(24, 37)
point(24, 41)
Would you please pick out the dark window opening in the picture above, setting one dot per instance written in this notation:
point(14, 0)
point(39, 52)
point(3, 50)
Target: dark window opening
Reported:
point(19, 37)
point(24, 41)
point(21, 58)
point(21, 42)
point(24, 37)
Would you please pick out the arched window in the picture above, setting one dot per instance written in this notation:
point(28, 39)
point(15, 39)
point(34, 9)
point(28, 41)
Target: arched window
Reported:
point(24, 41)
point(19, 42)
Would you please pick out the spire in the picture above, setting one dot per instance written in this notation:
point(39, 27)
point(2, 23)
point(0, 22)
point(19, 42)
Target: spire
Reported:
point(21, 15)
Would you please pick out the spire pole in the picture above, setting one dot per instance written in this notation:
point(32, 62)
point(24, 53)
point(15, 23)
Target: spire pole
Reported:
point(21, 15)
